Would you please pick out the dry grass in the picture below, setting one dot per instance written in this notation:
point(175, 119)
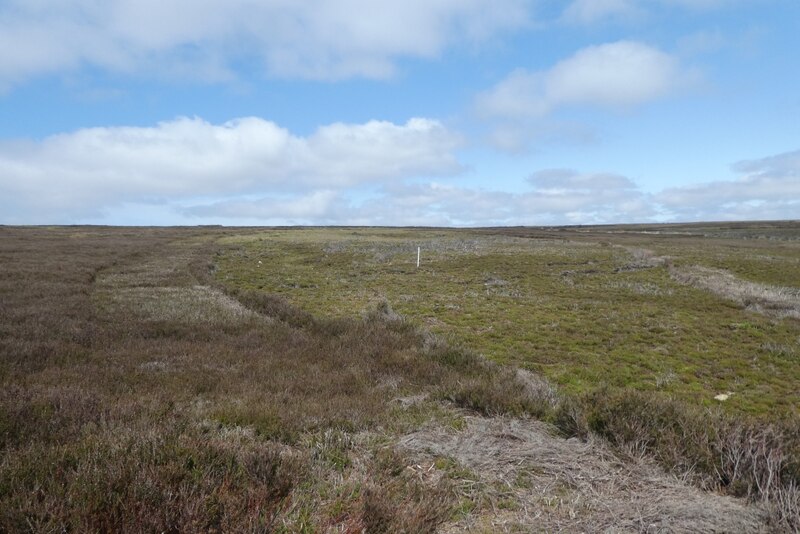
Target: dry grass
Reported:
point(530, 479)
point(715, 450)
point(762, 298)
point(192, 305)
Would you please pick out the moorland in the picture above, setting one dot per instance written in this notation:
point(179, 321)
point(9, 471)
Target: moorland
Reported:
point(633, 377)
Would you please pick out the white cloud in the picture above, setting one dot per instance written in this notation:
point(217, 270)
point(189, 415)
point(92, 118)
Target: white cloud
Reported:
point(252, 170)
point(320, 39)
point(769, 188)
point(66, 176)
point(315, 207)
point(517, 136)
point(434, 204)
point(782, 166)
point(589, 197)
point(558, 197)
point(617, 75)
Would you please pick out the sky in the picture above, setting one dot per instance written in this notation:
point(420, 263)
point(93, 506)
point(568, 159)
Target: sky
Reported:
point(420, 112)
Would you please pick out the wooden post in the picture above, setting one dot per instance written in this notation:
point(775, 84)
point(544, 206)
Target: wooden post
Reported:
point(418, 257)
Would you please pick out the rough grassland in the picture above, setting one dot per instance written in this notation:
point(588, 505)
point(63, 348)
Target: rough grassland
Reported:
point(585, 312)
point(261, 380)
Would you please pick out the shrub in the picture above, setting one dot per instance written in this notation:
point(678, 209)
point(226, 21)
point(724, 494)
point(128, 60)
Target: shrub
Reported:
point(745, 457)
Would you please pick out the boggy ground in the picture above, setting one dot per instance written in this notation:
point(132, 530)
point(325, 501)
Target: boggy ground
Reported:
point(146, 387)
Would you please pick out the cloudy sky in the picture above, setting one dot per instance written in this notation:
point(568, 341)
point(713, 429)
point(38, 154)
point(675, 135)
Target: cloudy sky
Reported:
point(420, 112)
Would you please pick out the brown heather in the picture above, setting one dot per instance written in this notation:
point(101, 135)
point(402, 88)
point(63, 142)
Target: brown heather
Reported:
point(120, 412)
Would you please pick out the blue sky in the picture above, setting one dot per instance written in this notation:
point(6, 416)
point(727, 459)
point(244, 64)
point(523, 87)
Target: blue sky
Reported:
point(422, 112)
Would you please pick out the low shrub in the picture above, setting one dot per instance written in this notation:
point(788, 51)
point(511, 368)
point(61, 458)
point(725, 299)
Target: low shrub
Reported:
point(745, 457)
point(395, 501)
point(273, 306)
point(498, 391)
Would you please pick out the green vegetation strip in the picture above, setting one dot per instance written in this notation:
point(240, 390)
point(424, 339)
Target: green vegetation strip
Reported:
point(585, 314)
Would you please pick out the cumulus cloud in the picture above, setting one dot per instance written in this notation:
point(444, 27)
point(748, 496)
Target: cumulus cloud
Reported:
point(590, 197)
point(322, 39)
point(434, 204)
point(401, 203)
point(558, 196)
point(70, 175)
point(317, 207)
point(616, 75)
point(254, 171)
point(516, 136)
point(784, 166)
point(769, 188)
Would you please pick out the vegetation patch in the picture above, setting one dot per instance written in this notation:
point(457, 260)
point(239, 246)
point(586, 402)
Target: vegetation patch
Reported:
point(772, 300)
point(316, 380)
point(583, 308)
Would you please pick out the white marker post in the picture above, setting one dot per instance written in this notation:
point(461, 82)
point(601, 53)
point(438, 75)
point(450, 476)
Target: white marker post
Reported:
point(418, 257)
